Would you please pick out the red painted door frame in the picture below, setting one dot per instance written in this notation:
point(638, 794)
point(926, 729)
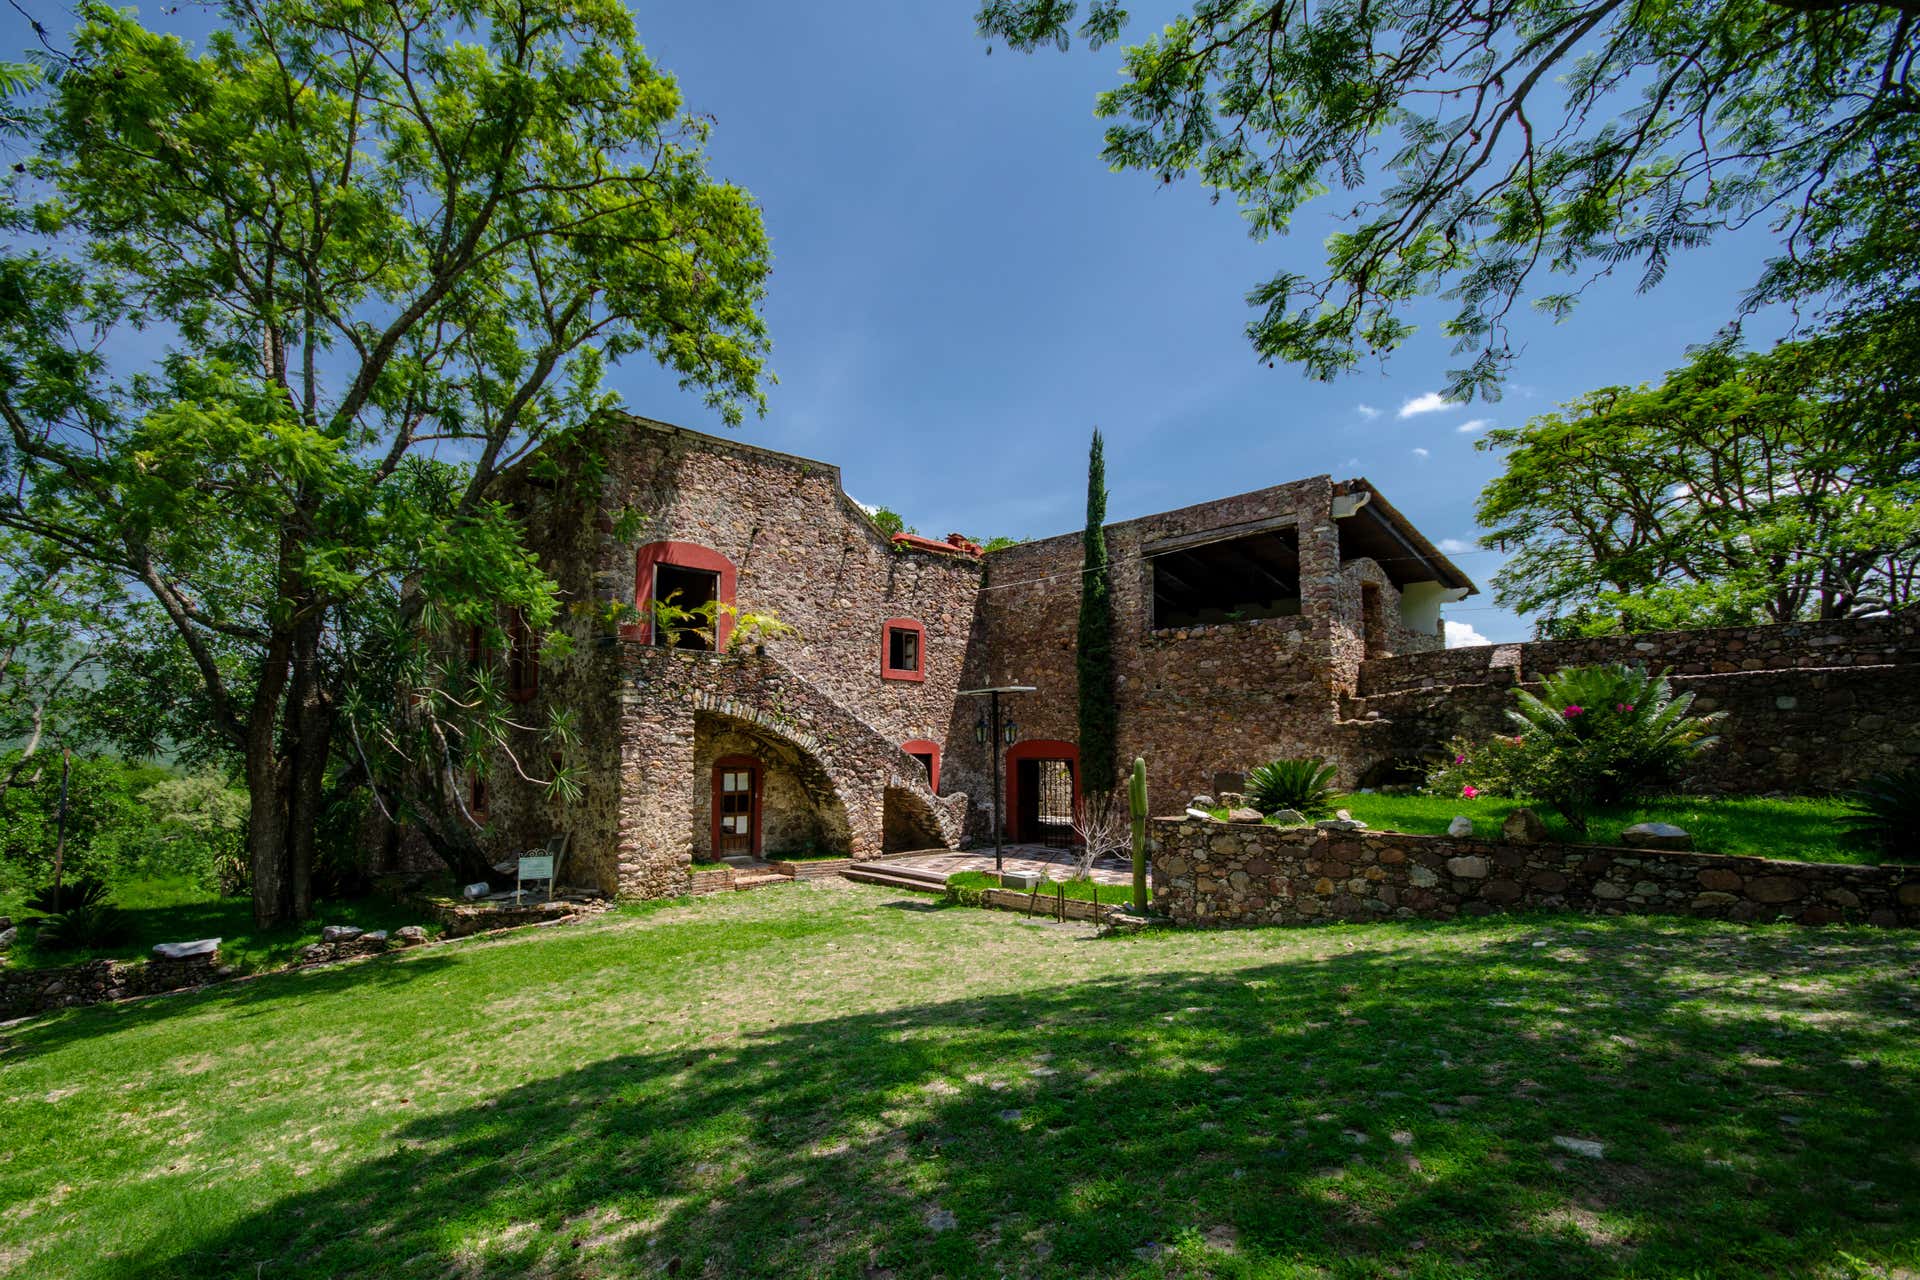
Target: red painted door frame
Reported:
point(928, 747)
point(1035, 749)
point(755, 774)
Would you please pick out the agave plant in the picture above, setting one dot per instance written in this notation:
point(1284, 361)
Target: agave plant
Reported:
point(1596, 736)
point(90, 925)
point(1886, 812)
point(1303, 783)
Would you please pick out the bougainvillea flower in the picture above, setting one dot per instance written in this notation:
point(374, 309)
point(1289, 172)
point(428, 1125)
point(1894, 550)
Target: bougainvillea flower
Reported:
point(1469, 791)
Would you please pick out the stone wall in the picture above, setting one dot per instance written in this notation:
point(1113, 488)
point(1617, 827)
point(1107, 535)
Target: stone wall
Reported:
point(1809, 706)
point(28, 991)
point(1247, 873)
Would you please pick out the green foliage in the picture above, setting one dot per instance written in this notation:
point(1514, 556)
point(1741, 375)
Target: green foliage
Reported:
point(1483, 151)
point(999, 543)
point(109, 831)
point(677, 622)
point(1747, 487)
point(1884, 813)
point(1468, 768)
point(80, 891)
point(889, 522)
point(1099, 713)
point(1598, 736)
point(1303, 783)
point(84, 927)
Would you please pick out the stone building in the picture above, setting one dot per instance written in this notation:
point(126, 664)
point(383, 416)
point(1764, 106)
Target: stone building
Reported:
point(1298, 619)
point(1240, 626)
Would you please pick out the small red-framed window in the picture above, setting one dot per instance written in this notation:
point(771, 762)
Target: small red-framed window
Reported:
point(927, 752)
point(696, 573)
point(903, 650)
point(523, 658)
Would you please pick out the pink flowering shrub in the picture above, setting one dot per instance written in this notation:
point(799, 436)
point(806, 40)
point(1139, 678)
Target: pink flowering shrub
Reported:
point(1474, 768)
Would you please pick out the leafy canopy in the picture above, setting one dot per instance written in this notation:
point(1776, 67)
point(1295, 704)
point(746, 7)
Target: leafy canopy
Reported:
point(1486, 147)
point(1747, 487)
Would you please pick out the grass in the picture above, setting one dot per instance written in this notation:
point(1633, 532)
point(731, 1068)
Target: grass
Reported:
point(177, 910)
point(817, 1079)
point(1804, 828)
point(1082, 890)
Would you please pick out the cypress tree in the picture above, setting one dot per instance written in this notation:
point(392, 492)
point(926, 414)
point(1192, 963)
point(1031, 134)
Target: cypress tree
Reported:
point(1099, 716)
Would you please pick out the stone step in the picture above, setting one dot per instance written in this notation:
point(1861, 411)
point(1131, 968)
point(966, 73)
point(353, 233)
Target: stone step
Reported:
point(907, 871)
point(897, 878)
point(758, 879)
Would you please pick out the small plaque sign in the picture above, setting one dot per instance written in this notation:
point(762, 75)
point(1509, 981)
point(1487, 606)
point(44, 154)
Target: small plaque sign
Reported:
point(540, 868)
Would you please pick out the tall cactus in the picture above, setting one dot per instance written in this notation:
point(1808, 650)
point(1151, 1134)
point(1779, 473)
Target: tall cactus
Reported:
point(1137, 802)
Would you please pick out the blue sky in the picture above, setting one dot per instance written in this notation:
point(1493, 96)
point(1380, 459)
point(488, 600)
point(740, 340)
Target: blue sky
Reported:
point(962, 291)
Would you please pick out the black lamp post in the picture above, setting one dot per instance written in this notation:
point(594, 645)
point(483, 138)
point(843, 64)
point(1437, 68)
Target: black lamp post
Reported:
point(989, 729)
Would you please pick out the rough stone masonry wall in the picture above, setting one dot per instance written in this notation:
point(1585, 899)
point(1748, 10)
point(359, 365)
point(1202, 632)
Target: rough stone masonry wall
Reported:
point(1248, 873)
point(25, 991)
point(802, 551)
point(1810, 706)
point(1192, 700)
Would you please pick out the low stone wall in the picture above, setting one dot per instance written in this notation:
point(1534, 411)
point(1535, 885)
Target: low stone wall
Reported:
point(26, 991)
point(1046, 905)
point(1249, 873)
point(817, 869)
point(462, 919)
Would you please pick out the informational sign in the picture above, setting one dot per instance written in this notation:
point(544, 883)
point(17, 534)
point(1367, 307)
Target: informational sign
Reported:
point(540, 868)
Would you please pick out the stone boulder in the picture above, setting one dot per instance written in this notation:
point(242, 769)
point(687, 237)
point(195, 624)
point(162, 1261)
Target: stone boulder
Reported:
point(410, 935)
point(186, 950)
point(1200, 802)
point(1233, 799)
point(1460, 826)
point(1245, 815)
point(1289, 818)
point(340, 933)
point(1655, 835)
point(1340, 824)
point(1523, 826)
point(8, 936)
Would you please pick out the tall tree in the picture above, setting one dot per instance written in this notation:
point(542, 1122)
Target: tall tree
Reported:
point(375, 242)
point(1093, 664)
point(1485, 143)
point(1746, 487)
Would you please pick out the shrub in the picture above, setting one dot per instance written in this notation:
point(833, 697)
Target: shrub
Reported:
point(1477, 768)
point(1598, 736)
point(1304, 783)
point(1886, 812)
point(92, 926)
point(79, 891)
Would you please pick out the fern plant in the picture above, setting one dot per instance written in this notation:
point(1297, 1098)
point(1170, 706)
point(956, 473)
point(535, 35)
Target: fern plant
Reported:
point(1885, 813)
point(81, 891)
point(1598, 736)
point(1302, 783)
point(89, 926)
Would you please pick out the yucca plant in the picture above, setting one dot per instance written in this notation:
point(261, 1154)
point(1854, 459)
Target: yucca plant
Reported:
point(1302, 783)
point(1885, 813)
point(1598, 736)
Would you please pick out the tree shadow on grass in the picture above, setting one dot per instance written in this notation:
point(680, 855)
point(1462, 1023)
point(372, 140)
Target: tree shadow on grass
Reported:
point(1380, 1111)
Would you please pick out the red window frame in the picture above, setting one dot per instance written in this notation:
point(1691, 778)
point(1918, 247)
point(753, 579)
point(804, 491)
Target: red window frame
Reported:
point(887, 670)
point(738, 764)
point(926, 746)
point(682, 555)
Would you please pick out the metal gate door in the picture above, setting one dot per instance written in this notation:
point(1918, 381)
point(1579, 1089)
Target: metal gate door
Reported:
point(1055, 811)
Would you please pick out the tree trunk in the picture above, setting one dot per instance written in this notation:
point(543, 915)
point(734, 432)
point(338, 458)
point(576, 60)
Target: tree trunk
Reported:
point(267, 790)
point(309, 721)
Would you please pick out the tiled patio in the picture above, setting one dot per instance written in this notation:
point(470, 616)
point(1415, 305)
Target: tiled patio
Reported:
point(1054, 863)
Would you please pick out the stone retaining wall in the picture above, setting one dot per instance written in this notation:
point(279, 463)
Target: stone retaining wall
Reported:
point(1248, 873)
point(27, 991)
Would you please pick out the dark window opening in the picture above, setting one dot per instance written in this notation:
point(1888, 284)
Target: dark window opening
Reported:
point(1233, 580)
point(523, 658)
point(903, 649)
point(685, 589)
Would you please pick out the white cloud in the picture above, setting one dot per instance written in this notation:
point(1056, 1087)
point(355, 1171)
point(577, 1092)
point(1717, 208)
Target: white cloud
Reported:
point(1431, 402)
point(1461, 635)
point(1366, 411)
point(1350, 464)
point(1421, 453)
point(1454, 546)
point(870, 510)
point(1474, 424)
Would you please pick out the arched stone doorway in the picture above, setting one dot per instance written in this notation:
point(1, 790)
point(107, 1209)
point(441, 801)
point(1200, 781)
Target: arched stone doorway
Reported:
point(781, 800)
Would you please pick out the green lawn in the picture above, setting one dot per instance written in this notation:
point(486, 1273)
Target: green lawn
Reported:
point(842, 1080)
point(1083, 890)
point(164, 910)
point(1800, 827)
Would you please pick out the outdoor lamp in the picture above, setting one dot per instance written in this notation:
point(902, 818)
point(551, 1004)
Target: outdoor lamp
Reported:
point(980, 731)
point(1012, 733)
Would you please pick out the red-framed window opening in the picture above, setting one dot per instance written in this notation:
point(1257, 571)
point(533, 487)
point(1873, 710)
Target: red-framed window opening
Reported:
point(927, 752)
point(903, 650)
point(697, 574)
